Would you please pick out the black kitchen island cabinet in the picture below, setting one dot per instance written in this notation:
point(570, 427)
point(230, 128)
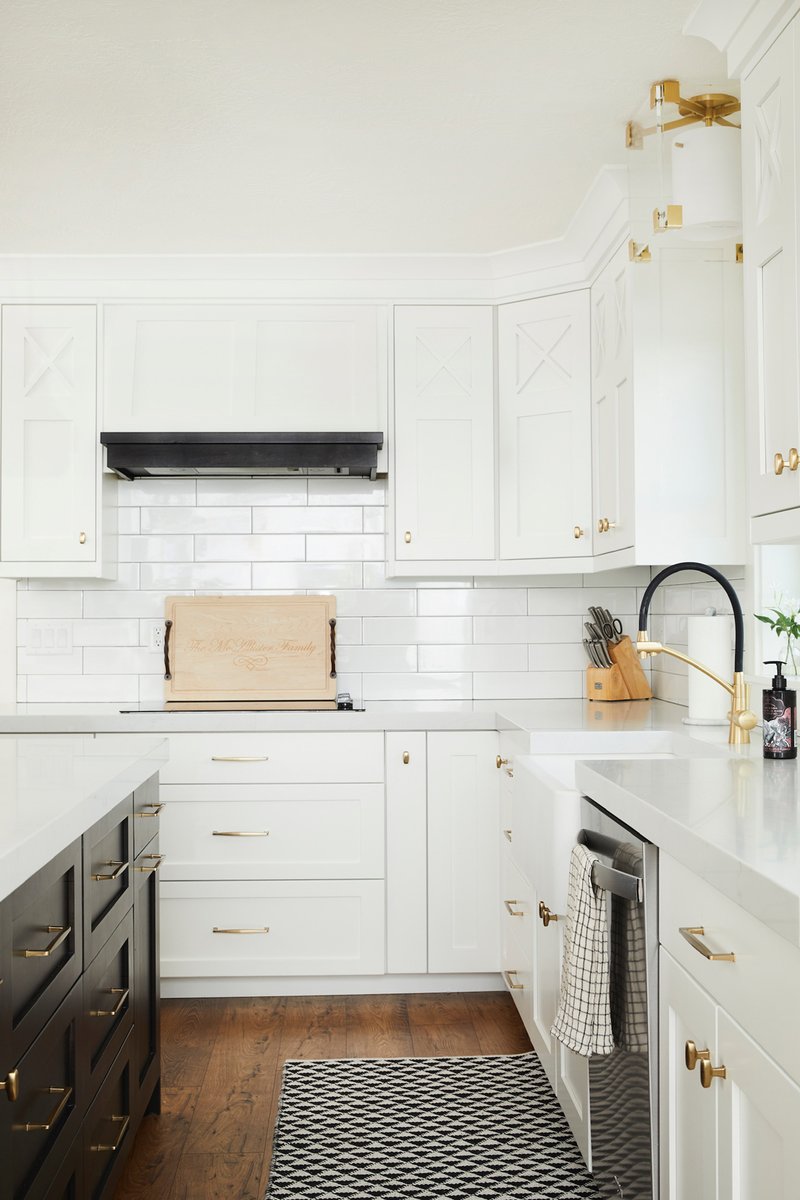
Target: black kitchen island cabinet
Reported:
point(79, 1009)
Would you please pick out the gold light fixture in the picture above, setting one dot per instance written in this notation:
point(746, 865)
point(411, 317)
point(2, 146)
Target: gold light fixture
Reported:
point(704, 164)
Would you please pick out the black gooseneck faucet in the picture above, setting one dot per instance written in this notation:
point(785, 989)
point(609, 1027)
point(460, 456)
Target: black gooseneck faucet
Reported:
point(741, 719)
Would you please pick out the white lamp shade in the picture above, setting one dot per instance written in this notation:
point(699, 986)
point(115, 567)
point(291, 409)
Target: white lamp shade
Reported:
point(707, 181)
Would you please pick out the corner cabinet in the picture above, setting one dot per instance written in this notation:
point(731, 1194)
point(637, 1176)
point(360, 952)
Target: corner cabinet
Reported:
point(56, 506)
point(545, 464)
point(443, 503)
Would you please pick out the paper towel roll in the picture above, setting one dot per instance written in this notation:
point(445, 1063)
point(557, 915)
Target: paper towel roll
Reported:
point(711, 643)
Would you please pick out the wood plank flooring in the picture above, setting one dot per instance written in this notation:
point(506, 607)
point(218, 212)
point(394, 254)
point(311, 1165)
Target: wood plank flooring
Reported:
point(221, 1075)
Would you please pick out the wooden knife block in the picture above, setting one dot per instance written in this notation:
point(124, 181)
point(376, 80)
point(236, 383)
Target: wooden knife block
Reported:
point(625, 680)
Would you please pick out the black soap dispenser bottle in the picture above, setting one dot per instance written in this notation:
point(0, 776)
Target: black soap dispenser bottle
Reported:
point(779, 709)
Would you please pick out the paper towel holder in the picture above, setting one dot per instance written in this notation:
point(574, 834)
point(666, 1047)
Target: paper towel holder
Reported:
point(742, 720)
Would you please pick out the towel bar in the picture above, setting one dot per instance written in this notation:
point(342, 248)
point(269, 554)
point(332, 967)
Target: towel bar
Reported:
point(629, 887)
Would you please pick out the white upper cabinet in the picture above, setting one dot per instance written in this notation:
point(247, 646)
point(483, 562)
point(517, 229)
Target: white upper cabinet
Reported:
point(233, 367)
point(769, 158)
point(443, 498)
point(545, 462)
point(612, 408)
point(51, 496)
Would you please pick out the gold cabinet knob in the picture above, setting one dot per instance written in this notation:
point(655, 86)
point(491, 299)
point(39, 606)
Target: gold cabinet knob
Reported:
point(708, 1073)
point(692, 1056)
point(792, 462)
point(603, 525)
point(407, 536)
point(546, 915)
point(406, 757)
point(82, 538)
point(500, 762)
point(577, 532)
point(10, 1085)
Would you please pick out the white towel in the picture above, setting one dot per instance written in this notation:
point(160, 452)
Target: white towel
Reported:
point(583, 1020)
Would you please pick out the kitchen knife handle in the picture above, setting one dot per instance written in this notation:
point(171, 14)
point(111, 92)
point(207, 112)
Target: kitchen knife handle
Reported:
point(332, 623)
point(167, 631)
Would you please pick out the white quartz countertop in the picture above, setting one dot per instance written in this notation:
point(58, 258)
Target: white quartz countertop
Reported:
point(52, 789)
point(733, 818)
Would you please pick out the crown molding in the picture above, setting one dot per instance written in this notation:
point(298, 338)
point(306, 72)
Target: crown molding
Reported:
point(564, 263)
point(743, 29)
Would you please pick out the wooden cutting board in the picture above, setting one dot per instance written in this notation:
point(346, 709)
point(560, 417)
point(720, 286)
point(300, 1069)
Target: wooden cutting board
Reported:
point(250, 648)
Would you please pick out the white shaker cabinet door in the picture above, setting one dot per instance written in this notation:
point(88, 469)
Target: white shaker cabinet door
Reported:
point(443, 433)
point(759, 1120)
point(769, 161)
point(238, 367)
point(463, 866)
point(545, 460)
point(612, 408)
point(49, 446)
point(406, 854)
point(687, 1017)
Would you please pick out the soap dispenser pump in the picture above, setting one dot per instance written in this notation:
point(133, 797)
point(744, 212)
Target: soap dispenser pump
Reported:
point(779, 708)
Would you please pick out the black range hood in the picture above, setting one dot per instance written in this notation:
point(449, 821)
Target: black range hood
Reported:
point(154, 455)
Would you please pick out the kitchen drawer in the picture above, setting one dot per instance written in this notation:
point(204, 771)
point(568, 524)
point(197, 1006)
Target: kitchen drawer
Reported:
point(761, 989)
point(517, 937)
point(45, 914)
point(108, 1002)
point(146, 809)
point(328, 927)
point(47, 1113)
point(338, 757)
point(146, 1048)
point(107, 876)
point(289, 831)
point(67, 1180)
point(106, 1137)
point(546, 820)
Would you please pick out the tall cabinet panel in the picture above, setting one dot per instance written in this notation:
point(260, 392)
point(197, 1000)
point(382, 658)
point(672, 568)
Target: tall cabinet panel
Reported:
point(444, 433)
point(769, 156)
point(49, 444)
point(545, 458)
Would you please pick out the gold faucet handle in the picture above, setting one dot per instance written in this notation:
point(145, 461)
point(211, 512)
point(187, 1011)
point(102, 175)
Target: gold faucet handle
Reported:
point(744, 718)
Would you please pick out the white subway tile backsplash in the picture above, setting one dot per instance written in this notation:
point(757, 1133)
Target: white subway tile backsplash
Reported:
point(169, 577)
point(141, 492)
point(535, 685)
point(307, 520)
point(128, 520)
point(352, 491)
point(455, 686)
point(127, 604)
point(49, 604)
point(374, 519)
point(374, 603)
point(249, 548)
point(371, 659)
point(127, 580)
point(105, 633)
point(165, 548)
point(82, 689)
point(299, 576)
point(346, 547)
point(528, 629)
point(557, 656)
point(473, 602)
point(123, 660)
point(375, 577)
point(203, 519)
point(218, 492)
point(414, 630)
point(70, 663)
point(473, 658)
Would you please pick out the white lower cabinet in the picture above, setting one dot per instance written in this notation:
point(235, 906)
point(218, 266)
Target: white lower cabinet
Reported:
point(730, 1112)
point(406, 854)
point(463, 866)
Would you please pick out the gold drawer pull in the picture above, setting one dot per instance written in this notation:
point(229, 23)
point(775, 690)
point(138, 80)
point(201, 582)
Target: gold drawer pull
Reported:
point(689, 932)
point(507, 834)
point(82, 538)
point(792, 462)
point(46, 1126)
point(155, 807)
point(119, 869)
point(62, 932)
point(123, 1123)
point(123, 994)
point(513, 912)
point(240, 833)
point(159, 858)
point(240, 758)
point(545, 914)
point(515, 987)
point(10, 1085)
point(708, 1073)
point(500, 762)
point(216, 929)
point(692, 1056)
point(406, 758)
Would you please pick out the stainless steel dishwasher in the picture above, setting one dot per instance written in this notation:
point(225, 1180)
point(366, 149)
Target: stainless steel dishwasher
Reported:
point(623, 1086)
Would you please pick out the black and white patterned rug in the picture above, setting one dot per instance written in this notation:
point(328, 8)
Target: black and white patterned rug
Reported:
point(419, 1128)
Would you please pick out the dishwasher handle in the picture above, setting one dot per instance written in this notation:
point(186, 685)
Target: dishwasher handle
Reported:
point(609, 879)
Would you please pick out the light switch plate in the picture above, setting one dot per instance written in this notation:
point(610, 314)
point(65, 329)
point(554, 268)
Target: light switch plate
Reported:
point(48, 637)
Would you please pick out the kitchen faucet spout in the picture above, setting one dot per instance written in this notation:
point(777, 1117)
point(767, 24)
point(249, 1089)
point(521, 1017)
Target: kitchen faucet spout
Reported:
point(742, 720)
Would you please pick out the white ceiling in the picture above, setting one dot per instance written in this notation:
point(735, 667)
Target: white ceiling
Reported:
point(315, 126)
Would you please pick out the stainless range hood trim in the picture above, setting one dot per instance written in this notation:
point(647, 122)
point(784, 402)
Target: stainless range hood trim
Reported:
point(154, 455)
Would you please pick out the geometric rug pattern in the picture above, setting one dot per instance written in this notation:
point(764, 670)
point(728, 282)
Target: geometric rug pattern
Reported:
point(487, 1128)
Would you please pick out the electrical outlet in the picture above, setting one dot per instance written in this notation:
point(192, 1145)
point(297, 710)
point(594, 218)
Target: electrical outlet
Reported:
point(157, 636)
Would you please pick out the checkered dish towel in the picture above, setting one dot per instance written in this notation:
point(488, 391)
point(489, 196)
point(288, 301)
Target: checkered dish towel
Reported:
point(583, 1020)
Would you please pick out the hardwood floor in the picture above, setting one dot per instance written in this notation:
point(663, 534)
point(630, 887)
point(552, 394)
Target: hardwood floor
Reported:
point(221, 1075)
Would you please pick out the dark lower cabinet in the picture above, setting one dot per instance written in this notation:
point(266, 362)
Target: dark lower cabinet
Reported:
point(79, 1012)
